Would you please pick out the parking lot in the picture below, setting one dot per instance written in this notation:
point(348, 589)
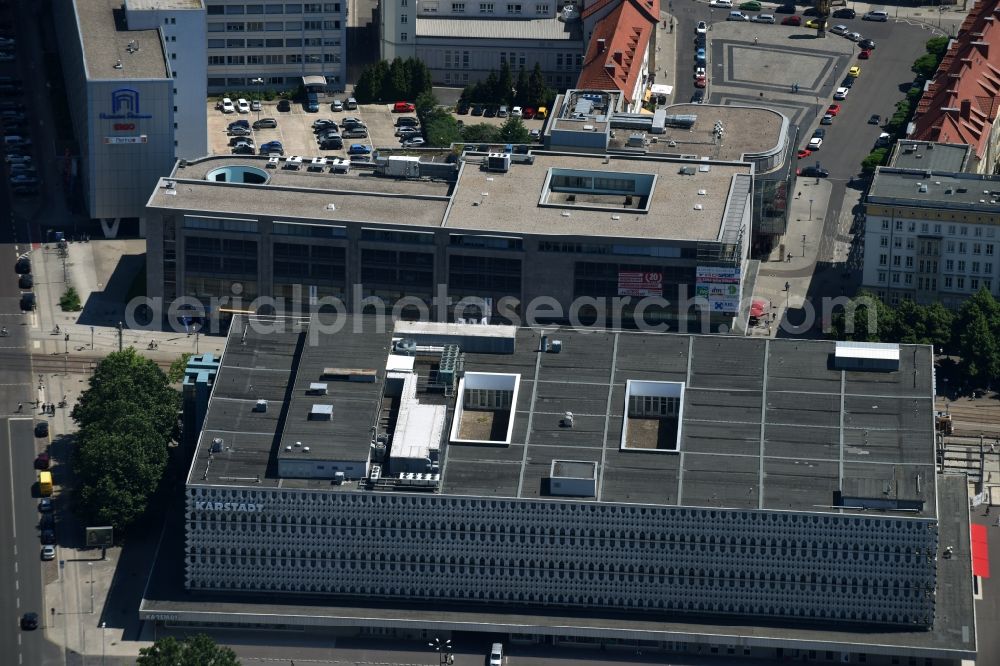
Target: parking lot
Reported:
point(295, 132)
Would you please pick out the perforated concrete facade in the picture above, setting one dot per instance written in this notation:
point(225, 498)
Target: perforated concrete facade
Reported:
point(764, 564)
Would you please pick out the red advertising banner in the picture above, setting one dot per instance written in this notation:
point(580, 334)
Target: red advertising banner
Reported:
point(639, 283)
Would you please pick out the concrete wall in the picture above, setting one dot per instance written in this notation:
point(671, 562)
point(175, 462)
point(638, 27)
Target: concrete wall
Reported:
point(183, 33)
point(121, 176)
point(484, 57)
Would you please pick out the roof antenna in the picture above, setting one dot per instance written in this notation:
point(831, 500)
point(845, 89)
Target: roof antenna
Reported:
point(118, 65)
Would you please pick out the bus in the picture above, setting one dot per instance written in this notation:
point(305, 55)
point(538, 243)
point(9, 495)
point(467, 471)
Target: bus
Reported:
point(45, 484)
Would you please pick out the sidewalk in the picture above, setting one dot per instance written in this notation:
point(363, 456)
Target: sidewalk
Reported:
point(665, 72)
point(802, 249)
point(84, 590)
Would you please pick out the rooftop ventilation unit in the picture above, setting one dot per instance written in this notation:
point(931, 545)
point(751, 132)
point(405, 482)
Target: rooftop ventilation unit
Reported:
point(261, 406)
point(217, 445)
point(317, 388)
point(321, 413)
point(684, 121)
point(449, 366)
point(687, 171)
point(406, 347)
point(498, 162)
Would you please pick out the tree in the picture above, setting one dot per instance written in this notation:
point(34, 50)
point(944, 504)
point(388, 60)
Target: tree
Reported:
point(978, 348)
point(177, 368)
point(125, 383)
point(198, 650)
point(424, 105)
point(419, 76)
point(395, 86)
point(127, 417)
point(513, 131)
point(479, 133)
point(441, 129)
point(537, 93)
point(490, 89)
point(368, 89)
point(925, 66)
point(522, 86)
point(937, 46)
point(117, 472)
point(975, 339)
point(875, 158)
point(505, 84)
point(865, 319)
point(70, 300)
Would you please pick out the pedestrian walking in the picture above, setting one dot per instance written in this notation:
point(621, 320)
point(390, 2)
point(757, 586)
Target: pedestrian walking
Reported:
point(20, 407)
point(755, 40)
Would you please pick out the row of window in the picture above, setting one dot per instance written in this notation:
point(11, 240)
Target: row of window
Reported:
point(953, 229)
point(499, 514)
point(291, 8)
point(931, 284)
point(271, 43)
point(905, 614)
point(931, 266)
point(290, 59)
point(273, 26)
point(239, 81)
point(513, 8)
point(932, 247)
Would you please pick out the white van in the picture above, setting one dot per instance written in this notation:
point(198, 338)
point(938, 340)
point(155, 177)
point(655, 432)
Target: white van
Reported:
point(496, 654)
point(728, 4)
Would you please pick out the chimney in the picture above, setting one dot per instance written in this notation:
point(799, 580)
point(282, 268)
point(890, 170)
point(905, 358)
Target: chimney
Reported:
point(609, 67)
point(618, 57)
point(966, 108)
point(602, 44)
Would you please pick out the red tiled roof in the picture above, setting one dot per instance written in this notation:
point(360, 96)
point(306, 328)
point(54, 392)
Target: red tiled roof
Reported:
point(962, 100)
point(626, 31)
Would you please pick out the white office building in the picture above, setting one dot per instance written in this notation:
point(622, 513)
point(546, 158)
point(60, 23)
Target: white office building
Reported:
point(135, 81)
point(275, 45)
point(462, 42)
point(931, 235)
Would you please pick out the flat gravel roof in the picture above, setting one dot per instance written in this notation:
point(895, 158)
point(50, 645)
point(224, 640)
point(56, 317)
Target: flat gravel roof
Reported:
point(767, 424)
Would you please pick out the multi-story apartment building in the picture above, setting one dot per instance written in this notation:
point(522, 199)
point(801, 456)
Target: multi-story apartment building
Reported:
point(579, 486)
point(274, 45)
point(960, 104)
point(931, 235)
point(136, 88)
point(462, 42)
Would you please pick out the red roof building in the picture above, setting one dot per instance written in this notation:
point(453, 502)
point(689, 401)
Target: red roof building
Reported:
point(961, 102)
point(621, 45)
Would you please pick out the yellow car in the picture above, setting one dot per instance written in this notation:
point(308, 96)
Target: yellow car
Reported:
point(814, 24)
point(854, 71)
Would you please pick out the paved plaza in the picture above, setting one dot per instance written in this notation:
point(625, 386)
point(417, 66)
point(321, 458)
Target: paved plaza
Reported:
point(782, 67)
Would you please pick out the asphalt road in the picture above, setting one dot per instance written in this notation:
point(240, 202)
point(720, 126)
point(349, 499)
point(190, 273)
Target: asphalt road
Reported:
point(883, 81)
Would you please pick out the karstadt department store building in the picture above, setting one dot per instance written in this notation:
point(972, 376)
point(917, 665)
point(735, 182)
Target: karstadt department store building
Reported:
point(764, 498)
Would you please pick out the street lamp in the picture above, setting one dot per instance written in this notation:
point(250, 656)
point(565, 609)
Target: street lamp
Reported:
point(259, 82)
point(443, 648)
point(788, 287)
point(810, 210)
point(103, 634)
